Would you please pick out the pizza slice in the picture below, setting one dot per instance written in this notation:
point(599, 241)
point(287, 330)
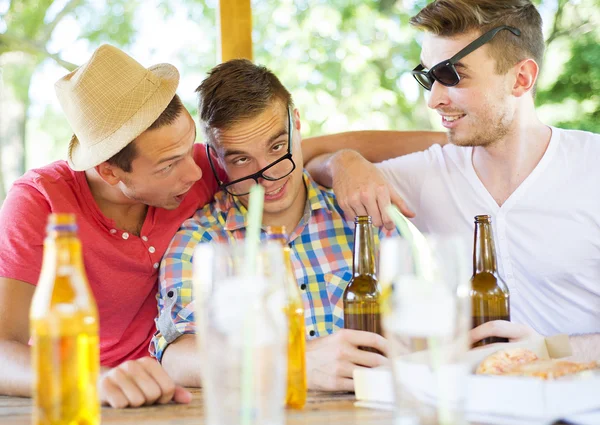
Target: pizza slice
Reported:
point(502, 361)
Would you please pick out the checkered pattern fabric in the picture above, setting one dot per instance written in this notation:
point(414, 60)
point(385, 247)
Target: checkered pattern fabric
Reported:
point(321, 247)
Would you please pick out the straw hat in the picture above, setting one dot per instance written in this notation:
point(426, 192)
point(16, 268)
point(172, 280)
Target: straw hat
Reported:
point(109, 101)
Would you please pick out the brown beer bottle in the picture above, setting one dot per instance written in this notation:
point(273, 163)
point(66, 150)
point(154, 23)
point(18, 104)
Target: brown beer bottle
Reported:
point(489, 293)
point(64, 332)
point(296, 370)
point(361, 297)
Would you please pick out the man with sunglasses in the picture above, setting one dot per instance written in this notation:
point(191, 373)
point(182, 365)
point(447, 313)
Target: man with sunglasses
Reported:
point(539, 183)
point(253, 133)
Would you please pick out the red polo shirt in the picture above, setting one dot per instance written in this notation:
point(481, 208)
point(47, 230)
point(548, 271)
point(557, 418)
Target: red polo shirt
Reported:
point(122, 268)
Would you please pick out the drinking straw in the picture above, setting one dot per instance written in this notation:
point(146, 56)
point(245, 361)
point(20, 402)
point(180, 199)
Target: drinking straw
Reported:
point(255, 210)
point(423, 259)
point(420, 248)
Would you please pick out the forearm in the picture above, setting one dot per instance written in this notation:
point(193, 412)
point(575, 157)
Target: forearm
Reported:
point(585, 347)
point(15, 369)
point(375, 146)
point(322, 168)
point(180, 360)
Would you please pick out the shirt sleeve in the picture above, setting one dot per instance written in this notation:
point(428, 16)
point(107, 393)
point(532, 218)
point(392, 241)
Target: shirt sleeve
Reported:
point(407, 174)
point(23, 220)
point(175, 298)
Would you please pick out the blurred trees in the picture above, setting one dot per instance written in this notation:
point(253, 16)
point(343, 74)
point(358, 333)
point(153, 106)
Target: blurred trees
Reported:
point(28, 29)
point(346, 62)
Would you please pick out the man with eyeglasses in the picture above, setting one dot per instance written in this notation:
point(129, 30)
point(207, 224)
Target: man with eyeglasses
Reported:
point(253, 133)
point(539, 183)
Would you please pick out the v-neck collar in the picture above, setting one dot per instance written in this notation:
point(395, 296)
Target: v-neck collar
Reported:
point(522, 188)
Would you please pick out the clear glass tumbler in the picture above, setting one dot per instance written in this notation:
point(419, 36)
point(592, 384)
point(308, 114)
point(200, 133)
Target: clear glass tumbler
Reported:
point(241, 333)
point(426, 318)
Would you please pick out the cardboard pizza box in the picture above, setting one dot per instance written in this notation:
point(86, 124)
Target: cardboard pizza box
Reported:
point(523, 397)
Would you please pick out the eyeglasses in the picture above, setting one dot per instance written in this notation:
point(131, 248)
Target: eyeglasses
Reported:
point(276, 170)
point(445, 72)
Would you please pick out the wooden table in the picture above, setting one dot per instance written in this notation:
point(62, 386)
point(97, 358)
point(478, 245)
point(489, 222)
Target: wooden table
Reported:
point(321, 409)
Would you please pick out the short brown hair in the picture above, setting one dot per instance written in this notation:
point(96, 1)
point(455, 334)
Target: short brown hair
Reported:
point(125, 156)
point(235, 91)
point(448, 18)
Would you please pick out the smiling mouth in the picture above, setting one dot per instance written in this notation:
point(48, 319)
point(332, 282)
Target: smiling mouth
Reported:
point(275, 192)
point(452, 118)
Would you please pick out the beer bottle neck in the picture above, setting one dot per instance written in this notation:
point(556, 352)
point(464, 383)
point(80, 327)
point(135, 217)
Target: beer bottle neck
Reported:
point(364, 253)
point(484, 253)
point(63, 249)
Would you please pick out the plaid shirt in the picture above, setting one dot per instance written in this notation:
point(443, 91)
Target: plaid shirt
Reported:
point(321, 248)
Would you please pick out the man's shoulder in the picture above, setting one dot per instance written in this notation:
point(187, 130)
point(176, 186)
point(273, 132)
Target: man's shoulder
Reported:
point(434, 159)
point(580, 149)
point(209, 220)
point(322, 195)
point(55, 182)
point(56, 172)
point(579, 137)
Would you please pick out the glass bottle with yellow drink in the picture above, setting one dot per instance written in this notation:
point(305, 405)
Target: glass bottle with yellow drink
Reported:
point(296, 379)
point(64, 332)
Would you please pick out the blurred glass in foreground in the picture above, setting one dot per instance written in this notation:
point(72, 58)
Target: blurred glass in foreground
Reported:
point(427, 318)
point(242, 333)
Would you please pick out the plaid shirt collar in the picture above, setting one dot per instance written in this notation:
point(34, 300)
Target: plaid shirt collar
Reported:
point(237, 213)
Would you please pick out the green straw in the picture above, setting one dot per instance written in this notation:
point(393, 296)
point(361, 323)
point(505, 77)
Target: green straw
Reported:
point(423, 258)
point(420, 248)
point(253, 226)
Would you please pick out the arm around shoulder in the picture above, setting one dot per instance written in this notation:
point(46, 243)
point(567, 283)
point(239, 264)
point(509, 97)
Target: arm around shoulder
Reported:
point(375, 146)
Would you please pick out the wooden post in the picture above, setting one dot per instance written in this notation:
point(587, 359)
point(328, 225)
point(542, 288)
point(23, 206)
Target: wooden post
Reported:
point(235, 30)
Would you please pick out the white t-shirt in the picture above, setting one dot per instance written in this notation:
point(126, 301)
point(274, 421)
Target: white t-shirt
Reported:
point(547, 233)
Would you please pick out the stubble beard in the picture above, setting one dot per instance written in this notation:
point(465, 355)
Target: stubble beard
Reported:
point(487, 133)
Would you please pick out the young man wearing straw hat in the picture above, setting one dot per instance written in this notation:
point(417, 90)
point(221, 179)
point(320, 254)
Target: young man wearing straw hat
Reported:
point(539, 183)
point(253, 132)
point(133, 176)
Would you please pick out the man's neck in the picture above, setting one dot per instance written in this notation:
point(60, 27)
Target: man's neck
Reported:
point(292, 216)
point(127, 215)
point(503, 166)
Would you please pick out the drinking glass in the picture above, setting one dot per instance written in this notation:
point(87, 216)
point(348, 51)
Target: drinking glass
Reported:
point(426, 318)
point(241, 333)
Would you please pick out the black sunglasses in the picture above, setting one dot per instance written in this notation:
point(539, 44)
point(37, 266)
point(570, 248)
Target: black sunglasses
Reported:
point(445, 72)
point(281, 168)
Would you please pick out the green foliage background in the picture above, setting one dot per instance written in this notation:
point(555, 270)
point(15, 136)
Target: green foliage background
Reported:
point(345, 61)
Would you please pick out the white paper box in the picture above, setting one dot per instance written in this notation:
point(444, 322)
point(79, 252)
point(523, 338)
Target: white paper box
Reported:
point(524, 397)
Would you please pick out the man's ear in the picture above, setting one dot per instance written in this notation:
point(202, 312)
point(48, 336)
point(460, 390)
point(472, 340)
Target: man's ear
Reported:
point(526, 75)
point(297, 125)
point(109, 173)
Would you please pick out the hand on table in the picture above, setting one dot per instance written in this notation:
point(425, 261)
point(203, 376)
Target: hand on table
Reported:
point(140, 382)
point(331, 359)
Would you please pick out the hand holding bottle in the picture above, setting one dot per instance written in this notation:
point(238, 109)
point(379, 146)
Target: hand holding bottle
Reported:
point(330, 360)
point(502, 329)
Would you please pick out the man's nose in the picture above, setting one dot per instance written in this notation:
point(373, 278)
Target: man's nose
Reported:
point(438, 96)
point(193, 172)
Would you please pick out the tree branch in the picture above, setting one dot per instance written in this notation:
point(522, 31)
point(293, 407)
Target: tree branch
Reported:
point(557, 31)
point(69, 7)
point(9, 43)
